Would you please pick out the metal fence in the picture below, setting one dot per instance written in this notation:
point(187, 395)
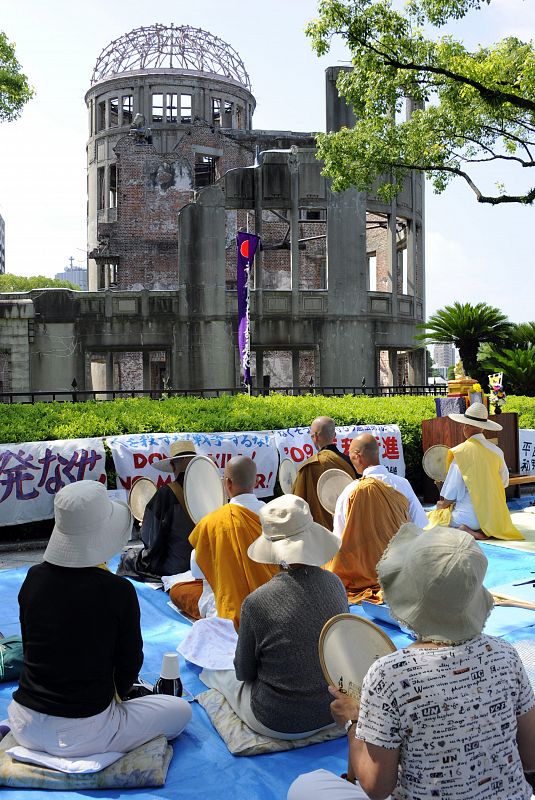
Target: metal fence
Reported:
point(80, 396)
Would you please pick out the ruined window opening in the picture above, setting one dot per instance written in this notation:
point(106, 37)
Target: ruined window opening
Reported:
point(239, 116)
point(106, 275)
point(315, 215)
point(127, 108)
point(227, 114)
point(101, 192)
point(205, 170)
point(101, 116)
point(114, 112)
point(172, 108)
point(216, 111)
point(372, 271)
point(113, 186)
point(157, 107)
point(185, 109)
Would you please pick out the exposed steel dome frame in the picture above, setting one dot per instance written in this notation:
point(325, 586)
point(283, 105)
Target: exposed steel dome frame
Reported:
point(169, 47)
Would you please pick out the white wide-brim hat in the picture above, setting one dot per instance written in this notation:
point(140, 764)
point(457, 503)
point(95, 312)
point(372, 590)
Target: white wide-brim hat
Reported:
point(478, 416)
point(290, 535)
point(433, 583)
point(89, 527)
point(183, 449)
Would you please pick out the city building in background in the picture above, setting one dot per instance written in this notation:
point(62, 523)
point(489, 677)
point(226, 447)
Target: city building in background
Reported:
point(74, 274)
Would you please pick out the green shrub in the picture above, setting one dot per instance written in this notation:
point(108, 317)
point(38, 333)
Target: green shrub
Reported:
point(46, 421)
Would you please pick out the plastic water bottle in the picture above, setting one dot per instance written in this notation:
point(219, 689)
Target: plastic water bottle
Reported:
point(169, 681)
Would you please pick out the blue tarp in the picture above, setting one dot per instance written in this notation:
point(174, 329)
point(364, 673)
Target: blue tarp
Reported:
point(202, 767)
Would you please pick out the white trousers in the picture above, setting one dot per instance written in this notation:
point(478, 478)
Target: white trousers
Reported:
point(119, 728)
point(238, 696)
point(324, 785)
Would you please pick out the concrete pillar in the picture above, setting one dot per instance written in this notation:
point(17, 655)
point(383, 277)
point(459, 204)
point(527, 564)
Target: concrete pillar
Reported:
point(411, 263)
point(393, 258)
point(293, 163)
point(109, 372)
point(146, 370)
point(295, 367)
point(393, 366)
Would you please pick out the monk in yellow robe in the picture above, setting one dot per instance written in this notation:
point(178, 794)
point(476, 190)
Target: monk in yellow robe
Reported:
point(473, 493)
point(375, 512)
point(323, 433)
point(226, 574)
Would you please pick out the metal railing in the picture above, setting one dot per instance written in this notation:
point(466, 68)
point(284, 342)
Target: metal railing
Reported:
point(83, 395)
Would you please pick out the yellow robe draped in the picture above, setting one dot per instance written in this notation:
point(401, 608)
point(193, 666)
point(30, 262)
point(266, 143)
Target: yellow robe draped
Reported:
point(306, 482)
point(375, 512)
point(221, 540)
point(480, 470)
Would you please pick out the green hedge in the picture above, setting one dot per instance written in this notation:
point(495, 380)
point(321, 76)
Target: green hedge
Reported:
point(45, 421)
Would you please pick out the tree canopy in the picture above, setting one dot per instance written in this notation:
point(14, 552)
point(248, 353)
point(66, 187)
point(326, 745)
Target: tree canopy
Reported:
point(471, 108)
point(22, 283)
point(467, 327)
point(15, 90)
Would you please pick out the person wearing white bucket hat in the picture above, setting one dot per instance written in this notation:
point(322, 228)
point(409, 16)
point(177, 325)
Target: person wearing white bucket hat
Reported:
point(82, 640)
point(450, 716)
point(166, 524)
point(277, 687)
point(474, 488)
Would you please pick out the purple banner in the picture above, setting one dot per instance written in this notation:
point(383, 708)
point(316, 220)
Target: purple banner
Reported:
point(246, 244)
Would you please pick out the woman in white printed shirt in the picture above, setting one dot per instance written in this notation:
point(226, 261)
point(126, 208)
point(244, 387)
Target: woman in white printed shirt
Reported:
point(452, 716)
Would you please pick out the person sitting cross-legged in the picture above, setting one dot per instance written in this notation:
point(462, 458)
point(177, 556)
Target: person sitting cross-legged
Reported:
point(82, 640)
point(219, 558)
point(277, 687)
point(451, 716)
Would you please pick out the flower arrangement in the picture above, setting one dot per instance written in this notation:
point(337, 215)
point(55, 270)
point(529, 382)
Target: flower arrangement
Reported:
point(497, 396)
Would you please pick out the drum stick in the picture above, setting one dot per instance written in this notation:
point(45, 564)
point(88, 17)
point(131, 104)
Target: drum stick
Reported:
point(507, 600)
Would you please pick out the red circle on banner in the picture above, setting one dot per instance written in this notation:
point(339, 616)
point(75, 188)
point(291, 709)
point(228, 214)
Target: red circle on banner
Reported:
point(244, 248)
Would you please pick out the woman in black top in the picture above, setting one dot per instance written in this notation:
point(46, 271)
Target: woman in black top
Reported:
point(82, 640)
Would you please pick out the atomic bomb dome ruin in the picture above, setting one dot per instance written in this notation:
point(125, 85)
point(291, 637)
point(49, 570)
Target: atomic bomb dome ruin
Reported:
point(174, 170)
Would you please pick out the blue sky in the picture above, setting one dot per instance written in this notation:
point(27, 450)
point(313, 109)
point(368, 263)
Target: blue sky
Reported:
point(473, 252)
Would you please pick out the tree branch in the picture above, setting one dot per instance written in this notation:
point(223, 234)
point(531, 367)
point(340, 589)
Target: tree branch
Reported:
point(526, 199)
point(488, 94)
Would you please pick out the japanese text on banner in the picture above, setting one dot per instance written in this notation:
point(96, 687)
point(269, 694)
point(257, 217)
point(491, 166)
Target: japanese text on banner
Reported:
point(134, 455)
point(33, 472)
point(296, 444)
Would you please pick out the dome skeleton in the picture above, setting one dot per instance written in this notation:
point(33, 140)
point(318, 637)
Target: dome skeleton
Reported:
point(163, 47)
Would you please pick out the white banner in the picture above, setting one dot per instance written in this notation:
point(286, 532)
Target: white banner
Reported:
point(31, 473)
point(135, 454)
point(526, 450)
point(296, 444)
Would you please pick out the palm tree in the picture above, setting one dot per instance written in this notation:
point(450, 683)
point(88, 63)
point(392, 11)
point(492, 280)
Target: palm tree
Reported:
point(467, 326)
point(518, 367)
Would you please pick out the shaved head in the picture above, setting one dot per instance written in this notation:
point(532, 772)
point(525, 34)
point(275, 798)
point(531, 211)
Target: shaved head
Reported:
point(240, 472)
point(323, 431)
point(364, 449)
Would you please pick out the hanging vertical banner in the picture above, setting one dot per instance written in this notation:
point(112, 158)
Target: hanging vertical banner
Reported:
point(246, 244)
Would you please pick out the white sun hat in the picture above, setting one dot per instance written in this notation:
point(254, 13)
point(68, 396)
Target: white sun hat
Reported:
point(290, 535)
point(433, 583)
point(89, 527)
point(478, 416)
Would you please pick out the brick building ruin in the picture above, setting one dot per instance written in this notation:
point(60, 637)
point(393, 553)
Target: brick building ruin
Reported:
point(174, 170)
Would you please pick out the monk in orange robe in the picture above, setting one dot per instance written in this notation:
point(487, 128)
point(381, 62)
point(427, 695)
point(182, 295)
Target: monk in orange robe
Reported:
point(220, 541)
point(375, 513)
